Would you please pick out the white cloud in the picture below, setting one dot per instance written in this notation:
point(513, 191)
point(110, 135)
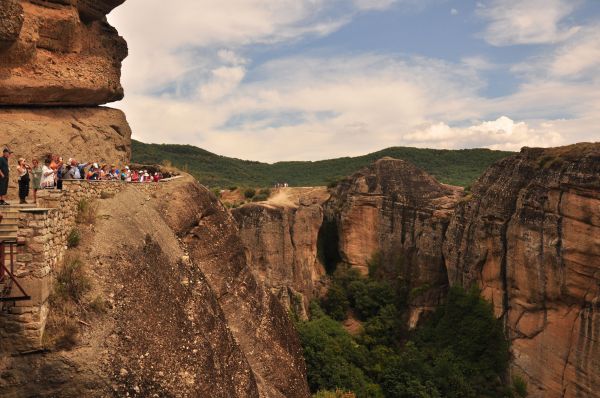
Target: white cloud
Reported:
point(579, 56)
point(190, 80)
point(527, 21)
point(453, 11)
point(374, 4)
point(502, 133)
point(164, 42)
point(224, 81)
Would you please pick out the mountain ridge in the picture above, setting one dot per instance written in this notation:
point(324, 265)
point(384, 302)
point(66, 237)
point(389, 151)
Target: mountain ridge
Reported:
point(455, 167)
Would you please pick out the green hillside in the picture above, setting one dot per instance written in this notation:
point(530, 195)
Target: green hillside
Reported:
point(456, 167)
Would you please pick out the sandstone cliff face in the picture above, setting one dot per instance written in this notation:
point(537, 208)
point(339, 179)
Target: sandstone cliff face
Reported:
point(530, 238)
point(258, 321)
point(398, 213)
point(55, 53)
point(281, 244)
point(186, 317)
point(87, 134)
point(59, 52)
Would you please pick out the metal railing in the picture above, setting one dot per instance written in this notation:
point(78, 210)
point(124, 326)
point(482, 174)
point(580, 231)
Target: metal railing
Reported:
point(8, 254)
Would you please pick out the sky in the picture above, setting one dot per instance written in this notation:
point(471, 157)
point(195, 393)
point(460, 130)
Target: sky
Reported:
point(274, 80)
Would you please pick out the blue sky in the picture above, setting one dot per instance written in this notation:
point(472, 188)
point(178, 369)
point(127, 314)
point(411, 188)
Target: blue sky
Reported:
point(313, 79)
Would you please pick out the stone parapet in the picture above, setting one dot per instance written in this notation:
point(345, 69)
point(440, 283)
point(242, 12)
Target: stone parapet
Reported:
point(43, 234)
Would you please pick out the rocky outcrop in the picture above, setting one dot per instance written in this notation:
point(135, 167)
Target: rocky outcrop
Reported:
point(282, 247)
point(529, 237)
point(87, 134)
point(258, 321)
point(56, 53)
point(184, 316)
point(395, 214)
point(59, 52)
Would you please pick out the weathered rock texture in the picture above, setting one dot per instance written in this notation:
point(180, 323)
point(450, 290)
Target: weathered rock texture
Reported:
point(398, 214)
point(87, 134)
point(186, 317)
point(281, 242)
point(258, 321)
point(59, 52)
point(530, 238)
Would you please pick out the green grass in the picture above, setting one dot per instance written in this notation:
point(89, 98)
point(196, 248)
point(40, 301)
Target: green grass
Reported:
point(456, 167)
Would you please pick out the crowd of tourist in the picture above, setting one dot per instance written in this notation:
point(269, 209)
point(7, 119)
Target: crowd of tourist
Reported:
point(54, 170)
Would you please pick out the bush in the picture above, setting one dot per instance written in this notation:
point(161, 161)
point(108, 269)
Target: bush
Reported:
point(74, 238)
point(68, 336)
point(260, 198)
point(333, 359)
point(86, 211)
point(368, 296)
point(334, 394)
point(520, 386)
point(233, 188)
point(216, 192)
point(266, 192)
point(249, 193)
point(336, 303)
point(98, 305)
point(72, 281)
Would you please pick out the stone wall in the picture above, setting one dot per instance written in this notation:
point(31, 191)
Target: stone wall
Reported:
point(42, 238)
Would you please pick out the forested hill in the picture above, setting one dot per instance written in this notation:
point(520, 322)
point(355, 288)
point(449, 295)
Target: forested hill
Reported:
point(456, 167)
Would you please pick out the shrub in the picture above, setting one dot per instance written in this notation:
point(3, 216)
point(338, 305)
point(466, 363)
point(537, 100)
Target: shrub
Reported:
point(72, 281)
point(233, 188)
point(249, 193)
point(216, 192)
point(333, 359)
point(334, 394)
point(520, 386)
point(266, 192)
point(98, 305)
point(336, 302)
point(260, 198)
point(86, 211)
point(367, 297)
point(68, 336)
point(74, 238)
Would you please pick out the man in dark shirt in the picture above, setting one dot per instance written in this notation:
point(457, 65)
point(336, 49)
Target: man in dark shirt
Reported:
point(4, 171)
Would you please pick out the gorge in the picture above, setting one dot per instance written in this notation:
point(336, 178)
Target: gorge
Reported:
point(198, 296)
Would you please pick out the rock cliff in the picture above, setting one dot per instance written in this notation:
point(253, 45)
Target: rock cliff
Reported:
point(59, 52)
point(56, 53)
point(530, 238)
point(395, 214)
point(185, 316)
point(282, 245)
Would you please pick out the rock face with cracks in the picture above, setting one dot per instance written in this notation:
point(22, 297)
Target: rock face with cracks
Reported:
point(282, 247)
point(59, 52)
point(530, 239)
point(185, 316)
point(395, 214)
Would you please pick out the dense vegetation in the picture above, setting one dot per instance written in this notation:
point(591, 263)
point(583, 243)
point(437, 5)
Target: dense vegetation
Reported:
point(456, 167)
point(460, 351)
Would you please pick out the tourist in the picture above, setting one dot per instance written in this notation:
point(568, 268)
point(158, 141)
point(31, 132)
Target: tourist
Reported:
point(60, 171)
point(4, 174)
point(23, 178)
point(93, 173)
point(36, 177)
point(48, 175)
point(72, 172)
